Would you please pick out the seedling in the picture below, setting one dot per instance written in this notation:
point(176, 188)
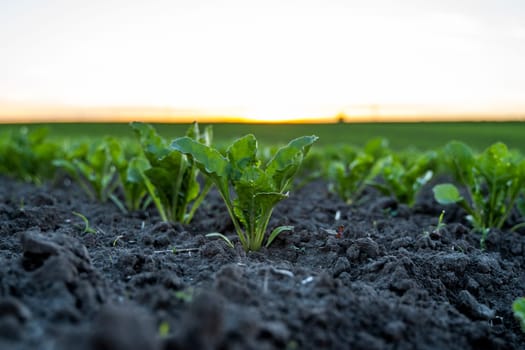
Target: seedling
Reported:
point(117, 239)
point(492, 180)
point(355, 169)
point(255, 189)
point(92, 167)
point(404, 178)
point(440, 225)
point(129, 164)
point(87, 228)
point(164, 329)
point(185, 295)
point(170, 177)
point(28, 155)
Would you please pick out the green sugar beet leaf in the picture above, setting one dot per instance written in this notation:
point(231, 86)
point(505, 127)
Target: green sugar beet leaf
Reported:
point(283, 166)
point(256, 198)
point(127, 160)
point(171, 178)
point(446, 194)
point(496, 164)
point(460, 159)
point(492, 181)
point(135, 190)
point(93, 167)
point(353, 169)
point(255, 189)
point(377, 147)
point(28, 155)
point(242, 154)
point(153, 145)
point(403, 177)
point(208, 160)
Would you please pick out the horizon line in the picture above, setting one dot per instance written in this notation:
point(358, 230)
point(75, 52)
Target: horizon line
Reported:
point(233, 119)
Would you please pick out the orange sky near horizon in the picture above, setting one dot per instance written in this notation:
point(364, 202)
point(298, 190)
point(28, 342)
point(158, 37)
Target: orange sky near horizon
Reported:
point(262, 61)
point(29, 113)
point(358, 114)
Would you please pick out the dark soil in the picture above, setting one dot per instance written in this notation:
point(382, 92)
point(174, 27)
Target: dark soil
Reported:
point(390, 281)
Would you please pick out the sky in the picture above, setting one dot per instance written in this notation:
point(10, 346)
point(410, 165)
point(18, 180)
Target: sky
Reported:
point(266, 60)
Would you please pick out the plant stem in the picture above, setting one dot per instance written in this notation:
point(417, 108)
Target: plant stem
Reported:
point(242, 236)
point(197, 202)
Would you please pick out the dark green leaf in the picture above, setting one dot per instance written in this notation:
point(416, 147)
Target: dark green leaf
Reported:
point(283, 166)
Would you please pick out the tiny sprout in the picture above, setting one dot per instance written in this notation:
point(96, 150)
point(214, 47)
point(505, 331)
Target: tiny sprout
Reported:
point(435, 233)
point(185, 295)
point(440, 223)
point(116, 240)
point(87, 228)
point(164, 329)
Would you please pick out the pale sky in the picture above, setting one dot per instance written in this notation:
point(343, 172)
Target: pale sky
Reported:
point(266, 59)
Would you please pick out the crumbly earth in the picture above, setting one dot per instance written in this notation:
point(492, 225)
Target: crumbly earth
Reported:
point(389, 282)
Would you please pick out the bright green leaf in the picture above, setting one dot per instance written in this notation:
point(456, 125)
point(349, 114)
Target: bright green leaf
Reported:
point(446, 194)
point(276, 233)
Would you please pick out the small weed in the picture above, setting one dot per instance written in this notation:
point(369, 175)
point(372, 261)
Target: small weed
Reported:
point(440, 225)
point(116, 240)
point(185, 295)
point(164, 329)
point(87, 228)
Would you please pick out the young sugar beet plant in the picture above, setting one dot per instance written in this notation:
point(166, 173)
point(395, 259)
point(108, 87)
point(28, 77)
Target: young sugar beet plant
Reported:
point(492, 180)
point(403, 177)
point(129, 166)
point(91, 166)
point(249, 190)
point(170, 177)
point(104, 168)
point(350, 175)
point(28, 154)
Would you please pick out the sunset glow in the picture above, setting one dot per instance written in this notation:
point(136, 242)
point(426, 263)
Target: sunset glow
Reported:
point(261, 61)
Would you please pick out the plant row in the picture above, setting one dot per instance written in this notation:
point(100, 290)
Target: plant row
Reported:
point(175, 176)
point(488, 185)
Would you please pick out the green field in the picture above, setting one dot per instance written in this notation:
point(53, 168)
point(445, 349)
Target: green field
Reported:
point(401, 135)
